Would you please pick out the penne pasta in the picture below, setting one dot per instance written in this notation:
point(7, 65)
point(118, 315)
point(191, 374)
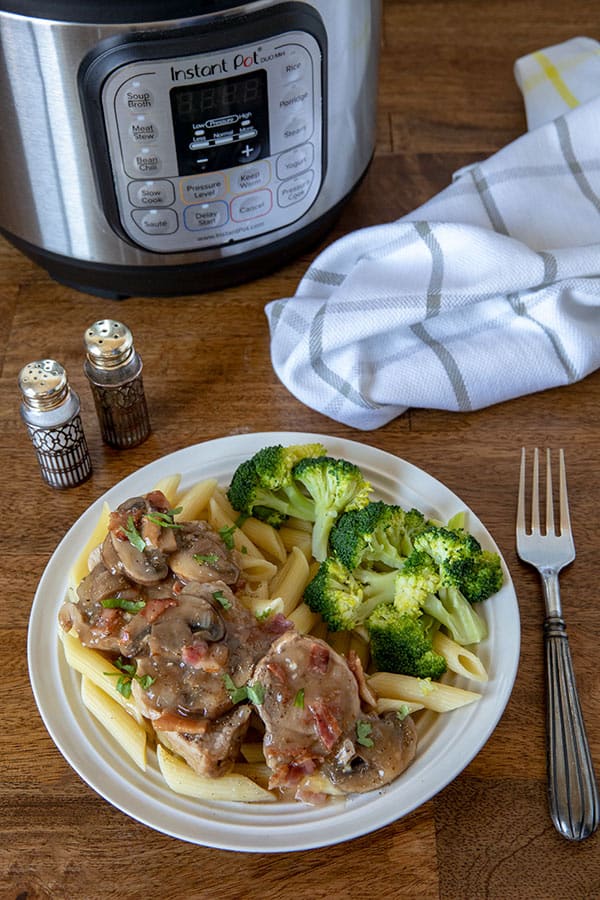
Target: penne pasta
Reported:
point(222, 522)
point(459, 660)
point(290, 581)
point(93, 666)
point(387, 704)
point(294, 537)
point(169, 485)
point(266, 537)
point(195, 500)
point(433, 695)
point(303, 618)
point(128, 733)
point(80, 568)
point(232, 787)
point(257, 568)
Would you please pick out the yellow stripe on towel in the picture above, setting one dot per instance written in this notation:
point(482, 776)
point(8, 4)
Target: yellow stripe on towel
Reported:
point(554, 77)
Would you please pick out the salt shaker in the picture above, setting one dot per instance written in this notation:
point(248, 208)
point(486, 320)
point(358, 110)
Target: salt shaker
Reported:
point(114, 371)
point(50, 409)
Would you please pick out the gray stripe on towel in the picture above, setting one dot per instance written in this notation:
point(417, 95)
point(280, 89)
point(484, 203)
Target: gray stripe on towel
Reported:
point(574, 165)
point(434, 288)
point(557, 345)
point(450, 366)
point(485, 194)
point(315, 349)
point(322, 276)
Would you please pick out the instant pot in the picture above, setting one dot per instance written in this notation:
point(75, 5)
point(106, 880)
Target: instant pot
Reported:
point(161, 148)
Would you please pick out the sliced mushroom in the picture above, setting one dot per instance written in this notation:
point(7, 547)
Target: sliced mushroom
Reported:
point(142, 566)
point(205, 619)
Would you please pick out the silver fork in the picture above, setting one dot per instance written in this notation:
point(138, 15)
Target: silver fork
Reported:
point(572, 787)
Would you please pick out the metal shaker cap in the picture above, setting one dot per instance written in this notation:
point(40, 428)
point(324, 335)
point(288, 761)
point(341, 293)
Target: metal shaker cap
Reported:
point(43, 384)
point(108, 344)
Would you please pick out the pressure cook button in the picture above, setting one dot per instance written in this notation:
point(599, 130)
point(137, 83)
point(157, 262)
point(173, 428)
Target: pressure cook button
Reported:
point(151, 193)
point(251, 206)
point(295, 189)
point(155, 221)
point(295, 161)
point(205, 215)
point(249, 178)
point(143, 130)
point(147, 162)
point(136, 97)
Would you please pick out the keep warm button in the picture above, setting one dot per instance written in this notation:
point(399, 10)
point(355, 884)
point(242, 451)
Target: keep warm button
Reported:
point(295, 189)
point(251, 206)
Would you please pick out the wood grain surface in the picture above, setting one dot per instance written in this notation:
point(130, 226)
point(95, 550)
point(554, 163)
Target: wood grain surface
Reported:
point(447, 97)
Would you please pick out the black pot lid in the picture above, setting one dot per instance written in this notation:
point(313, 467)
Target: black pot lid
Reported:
point(110, 12)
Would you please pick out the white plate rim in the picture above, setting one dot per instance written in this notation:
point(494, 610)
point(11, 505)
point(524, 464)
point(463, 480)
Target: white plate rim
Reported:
point(274, 827)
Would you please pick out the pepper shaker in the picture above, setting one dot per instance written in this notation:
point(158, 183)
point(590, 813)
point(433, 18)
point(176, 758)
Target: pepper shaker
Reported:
point(50, 410)
point(114, 371)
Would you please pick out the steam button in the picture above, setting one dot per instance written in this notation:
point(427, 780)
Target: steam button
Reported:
point(156, 221)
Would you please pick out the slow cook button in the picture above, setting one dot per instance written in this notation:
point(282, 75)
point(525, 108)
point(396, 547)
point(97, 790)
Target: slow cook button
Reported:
point(249, 178)
point(151, 193)
point(201, 189)
point(295, 161)
point(251, 206)
point(205, 215)
point(295, 189)
point(147, 162)
point(155, 221)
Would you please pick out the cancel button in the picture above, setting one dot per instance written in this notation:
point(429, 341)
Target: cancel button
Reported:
point(251, 206)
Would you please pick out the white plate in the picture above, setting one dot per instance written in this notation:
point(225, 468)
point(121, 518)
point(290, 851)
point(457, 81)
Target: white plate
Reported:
point(447, 743)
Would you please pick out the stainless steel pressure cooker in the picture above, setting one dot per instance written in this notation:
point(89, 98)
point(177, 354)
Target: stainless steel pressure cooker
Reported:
point(161, 147)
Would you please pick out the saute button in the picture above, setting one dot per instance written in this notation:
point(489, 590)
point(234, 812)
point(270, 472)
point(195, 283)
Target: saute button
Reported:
point(151, 193)
point(155, 221)
point(251, 206)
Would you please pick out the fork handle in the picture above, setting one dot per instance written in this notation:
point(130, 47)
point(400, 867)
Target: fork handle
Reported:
point(573, 792)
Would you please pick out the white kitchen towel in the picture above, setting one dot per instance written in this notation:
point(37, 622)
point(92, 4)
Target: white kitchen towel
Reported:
point(489, 291)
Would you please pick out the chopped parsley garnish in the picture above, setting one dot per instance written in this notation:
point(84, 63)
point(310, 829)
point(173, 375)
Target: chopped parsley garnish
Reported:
point(206, 559)
point(403, 712)
point(226, 534)
point(128, 673)
point(223, 600)
point(253, 692)
point(299, 699)
point(363, 730)
point(132, 606)
point(165, 519)
point(133, 535)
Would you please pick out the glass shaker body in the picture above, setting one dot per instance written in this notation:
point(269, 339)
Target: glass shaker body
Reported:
point(51, 412)
point(114, 371)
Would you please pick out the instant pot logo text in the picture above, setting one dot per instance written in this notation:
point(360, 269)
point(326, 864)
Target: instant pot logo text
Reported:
point(225, 66)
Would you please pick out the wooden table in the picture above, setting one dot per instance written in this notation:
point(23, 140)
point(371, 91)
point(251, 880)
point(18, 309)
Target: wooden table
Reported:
point(447, 98)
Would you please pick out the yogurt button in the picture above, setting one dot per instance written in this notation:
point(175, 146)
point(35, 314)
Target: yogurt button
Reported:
point(295, 161)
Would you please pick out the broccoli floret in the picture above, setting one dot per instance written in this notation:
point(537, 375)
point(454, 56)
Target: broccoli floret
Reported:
point(375, 533)
point(263, 485)
point(402, 643)
point(335, 485)
point(418, 578)
point(335, 594)
point(476, 573)
point(423, 585)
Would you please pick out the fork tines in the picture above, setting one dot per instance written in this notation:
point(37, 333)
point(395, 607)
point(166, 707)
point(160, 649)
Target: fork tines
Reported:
point(563, 505)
